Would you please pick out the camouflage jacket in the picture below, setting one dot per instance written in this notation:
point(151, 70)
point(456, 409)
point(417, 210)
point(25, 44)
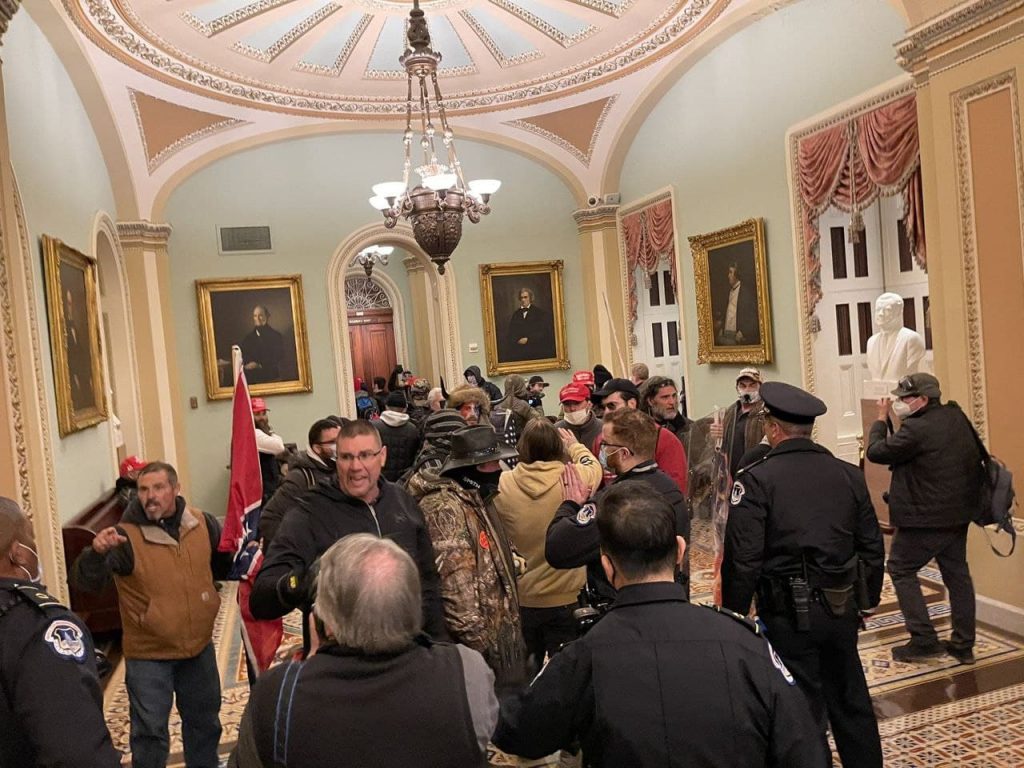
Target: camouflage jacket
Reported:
point(477, 570)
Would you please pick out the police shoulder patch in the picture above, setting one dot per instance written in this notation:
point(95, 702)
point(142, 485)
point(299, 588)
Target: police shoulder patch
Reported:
point(586, 515)
point(66, 639)
point(777, 663)
point(737, 493)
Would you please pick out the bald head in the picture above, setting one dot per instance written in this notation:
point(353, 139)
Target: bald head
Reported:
point(18, 557)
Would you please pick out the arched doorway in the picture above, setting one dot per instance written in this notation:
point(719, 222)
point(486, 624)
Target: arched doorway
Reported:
point(371, 328)
point(432, 311)
point(118, 342)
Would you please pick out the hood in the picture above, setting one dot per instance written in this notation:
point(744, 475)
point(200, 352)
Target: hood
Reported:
point(515, 385)
point(534, 479)
point(427, 480)
point(309, 460)
point(394, 418)
point(475, 370)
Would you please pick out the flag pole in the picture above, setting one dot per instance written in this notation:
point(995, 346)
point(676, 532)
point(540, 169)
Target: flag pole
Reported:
point(615, 336)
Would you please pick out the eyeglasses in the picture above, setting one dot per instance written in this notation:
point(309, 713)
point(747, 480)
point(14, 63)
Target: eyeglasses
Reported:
point(362, 457)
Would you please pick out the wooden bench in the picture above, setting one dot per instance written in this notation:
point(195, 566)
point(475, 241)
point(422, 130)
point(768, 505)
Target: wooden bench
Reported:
point(99, 611)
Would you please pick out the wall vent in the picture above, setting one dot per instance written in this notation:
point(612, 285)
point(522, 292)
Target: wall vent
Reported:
point(244, 239)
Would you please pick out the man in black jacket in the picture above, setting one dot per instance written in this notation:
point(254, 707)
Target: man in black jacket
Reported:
point(315, 466)
point(630, 438)
point(933, 495)
point(476, 379)
point(801, 528)
point(362, 502)
point(659, 681)
point(399, 435)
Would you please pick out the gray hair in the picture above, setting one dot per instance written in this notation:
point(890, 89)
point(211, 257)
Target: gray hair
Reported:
point(368, 594)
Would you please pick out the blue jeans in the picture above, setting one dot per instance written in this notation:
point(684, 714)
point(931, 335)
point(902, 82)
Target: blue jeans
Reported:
point(151, 685)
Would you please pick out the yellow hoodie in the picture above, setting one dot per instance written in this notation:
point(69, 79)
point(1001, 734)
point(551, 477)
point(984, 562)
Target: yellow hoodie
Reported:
point(529, 496)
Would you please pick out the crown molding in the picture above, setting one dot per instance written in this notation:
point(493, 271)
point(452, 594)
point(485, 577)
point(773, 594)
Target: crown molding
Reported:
point(139, 234)
point(913, 52)
point(7, 10)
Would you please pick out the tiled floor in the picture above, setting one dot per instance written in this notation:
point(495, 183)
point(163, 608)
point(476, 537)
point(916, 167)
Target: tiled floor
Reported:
point(934, 714)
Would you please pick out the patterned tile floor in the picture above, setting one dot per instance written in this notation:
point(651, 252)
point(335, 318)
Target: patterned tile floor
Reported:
point(938, 714)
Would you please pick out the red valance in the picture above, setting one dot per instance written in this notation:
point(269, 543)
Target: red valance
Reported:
point(876, 154)
point(649, 235)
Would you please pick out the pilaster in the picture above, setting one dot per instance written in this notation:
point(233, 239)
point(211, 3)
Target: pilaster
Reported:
point(422, 321)
point(148, 266)
point(603, 280)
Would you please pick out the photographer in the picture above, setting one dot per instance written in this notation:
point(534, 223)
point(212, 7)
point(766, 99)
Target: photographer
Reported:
point(629, 441)
point(659, 681)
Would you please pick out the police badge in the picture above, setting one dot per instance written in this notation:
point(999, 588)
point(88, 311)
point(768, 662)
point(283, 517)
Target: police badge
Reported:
point(66, 640)
point(737, 493)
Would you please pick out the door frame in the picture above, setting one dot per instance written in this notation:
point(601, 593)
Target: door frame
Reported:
point(443, 292)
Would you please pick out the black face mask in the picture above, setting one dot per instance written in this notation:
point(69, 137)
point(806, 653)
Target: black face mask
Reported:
point(475, 480)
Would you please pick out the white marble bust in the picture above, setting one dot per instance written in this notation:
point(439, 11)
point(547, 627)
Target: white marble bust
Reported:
point(894, 351)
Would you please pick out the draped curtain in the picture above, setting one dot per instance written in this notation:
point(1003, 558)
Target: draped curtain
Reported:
point(849, 166)
point(649, 235)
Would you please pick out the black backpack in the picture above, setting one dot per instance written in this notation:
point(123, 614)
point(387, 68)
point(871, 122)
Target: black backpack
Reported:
point(998, 498)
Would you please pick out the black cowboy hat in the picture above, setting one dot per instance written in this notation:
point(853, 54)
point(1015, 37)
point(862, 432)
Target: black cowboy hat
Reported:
point(476, 445)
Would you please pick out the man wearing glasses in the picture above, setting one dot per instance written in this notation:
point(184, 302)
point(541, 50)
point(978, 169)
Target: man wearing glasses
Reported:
point(362, 502)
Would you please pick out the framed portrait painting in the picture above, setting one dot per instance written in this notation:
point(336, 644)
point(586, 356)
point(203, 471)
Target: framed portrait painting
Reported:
point(266, 318)
point(73, 312)
point(524, 316)
point(733, 309)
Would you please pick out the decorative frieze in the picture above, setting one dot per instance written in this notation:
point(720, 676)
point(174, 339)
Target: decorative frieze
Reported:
point(7, 10)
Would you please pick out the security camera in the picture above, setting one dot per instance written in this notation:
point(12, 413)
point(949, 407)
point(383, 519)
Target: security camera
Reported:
point(593, 200)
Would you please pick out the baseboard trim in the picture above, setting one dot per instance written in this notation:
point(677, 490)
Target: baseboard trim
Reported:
point(1003, 616)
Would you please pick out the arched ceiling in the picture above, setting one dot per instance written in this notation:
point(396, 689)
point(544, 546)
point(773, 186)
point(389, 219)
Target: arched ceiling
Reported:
point(340, 57)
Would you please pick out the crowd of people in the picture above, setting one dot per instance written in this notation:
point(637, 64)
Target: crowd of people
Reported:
point(471, 571)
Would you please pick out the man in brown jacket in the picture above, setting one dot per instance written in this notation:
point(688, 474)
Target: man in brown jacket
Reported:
point(163, 558)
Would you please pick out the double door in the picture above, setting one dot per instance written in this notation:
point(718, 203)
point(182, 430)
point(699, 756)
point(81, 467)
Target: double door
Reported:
point(372, 338)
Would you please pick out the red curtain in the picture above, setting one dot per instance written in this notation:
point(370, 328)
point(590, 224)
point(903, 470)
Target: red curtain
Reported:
point(875, 154)
point(649, 235)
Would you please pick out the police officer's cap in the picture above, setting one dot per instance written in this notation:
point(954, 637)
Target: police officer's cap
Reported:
point(790, 404)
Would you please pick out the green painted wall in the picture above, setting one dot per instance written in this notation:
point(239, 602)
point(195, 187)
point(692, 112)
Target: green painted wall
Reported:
point(64, 184)
point(313, 192)
point(725, 121)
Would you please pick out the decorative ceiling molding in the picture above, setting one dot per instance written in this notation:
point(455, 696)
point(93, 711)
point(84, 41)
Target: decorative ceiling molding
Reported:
point(237, 16)
point(499, 54)
point(562, 37)
point(574, 129)
point(167, 128)
point(301, 27)
point(114, 26)
point(343, 54)
point(971, 15)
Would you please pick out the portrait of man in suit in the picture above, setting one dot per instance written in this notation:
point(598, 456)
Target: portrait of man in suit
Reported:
point(734, 296)
point(530, 334)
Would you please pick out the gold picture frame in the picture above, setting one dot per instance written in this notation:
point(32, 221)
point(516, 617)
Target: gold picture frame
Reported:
point(73, 310)
point(278, 350)
point(743, 335)
point(543, 329)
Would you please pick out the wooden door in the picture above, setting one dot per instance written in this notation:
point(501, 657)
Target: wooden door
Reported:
point(372, 336)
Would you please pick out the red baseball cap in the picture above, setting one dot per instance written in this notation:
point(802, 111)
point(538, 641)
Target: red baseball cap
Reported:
point(131, 464)
point(586, 378)
point(259, 405)
point(574, 393)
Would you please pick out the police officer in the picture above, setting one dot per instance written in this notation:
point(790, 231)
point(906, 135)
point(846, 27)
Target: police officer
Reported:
point(50, 701)
point(659, 681)
point(802, 535)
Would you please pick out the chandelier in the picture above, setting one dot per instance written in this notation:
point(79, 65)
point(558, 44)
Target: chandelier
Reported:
point(375, 254)
point(436, 206)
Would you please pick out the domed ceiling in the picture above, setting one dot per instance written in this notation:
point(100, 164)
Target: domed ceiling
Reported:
point(340, 57)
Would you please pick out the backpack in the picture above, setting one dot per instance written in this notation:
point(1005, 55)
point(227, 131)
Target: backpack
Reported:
point(997, 499)
point(366, 407)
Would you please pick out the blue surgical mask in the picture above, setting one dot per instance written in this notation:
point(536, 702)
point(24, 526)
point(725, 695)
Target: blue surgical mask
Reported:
point(604, 453)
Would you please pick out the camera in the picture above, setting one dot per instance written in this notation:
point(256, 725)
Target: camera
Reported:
point(590, 608)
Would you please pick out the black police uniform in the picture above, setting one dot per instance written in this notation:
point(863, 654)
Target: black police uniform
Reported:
point(661, 682)
point(51, 707)
point(800, 521)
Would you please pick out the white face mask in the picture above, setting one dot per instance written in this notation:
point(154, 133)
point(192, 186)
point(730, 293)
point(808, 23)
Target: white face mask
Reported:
point(38, 578)
point(577, 418)
point(748, 396)
point(902, 409)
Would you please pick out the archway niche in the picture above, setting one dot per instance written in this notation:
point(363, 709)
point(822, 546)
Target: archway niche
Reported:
point(431, 314)
point(117, 334)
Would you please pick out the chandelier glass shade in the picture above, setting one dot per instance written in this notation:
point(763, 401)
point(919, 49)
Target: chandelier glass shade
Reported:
point(375, 254)
point(436, 206)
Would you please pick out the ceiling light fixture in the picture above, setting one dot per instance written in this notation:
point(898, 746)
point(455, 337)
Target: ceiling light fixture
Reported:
point(437, 205)
point(375, 254)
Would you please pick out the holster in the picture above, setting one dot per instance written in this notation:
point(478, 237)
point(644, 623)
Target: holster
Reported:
point(836, 601)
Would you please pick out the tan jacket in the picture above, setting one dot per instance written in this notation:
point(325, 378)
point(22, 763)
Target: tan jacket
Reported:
point(527, 500)
point(168, 603)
